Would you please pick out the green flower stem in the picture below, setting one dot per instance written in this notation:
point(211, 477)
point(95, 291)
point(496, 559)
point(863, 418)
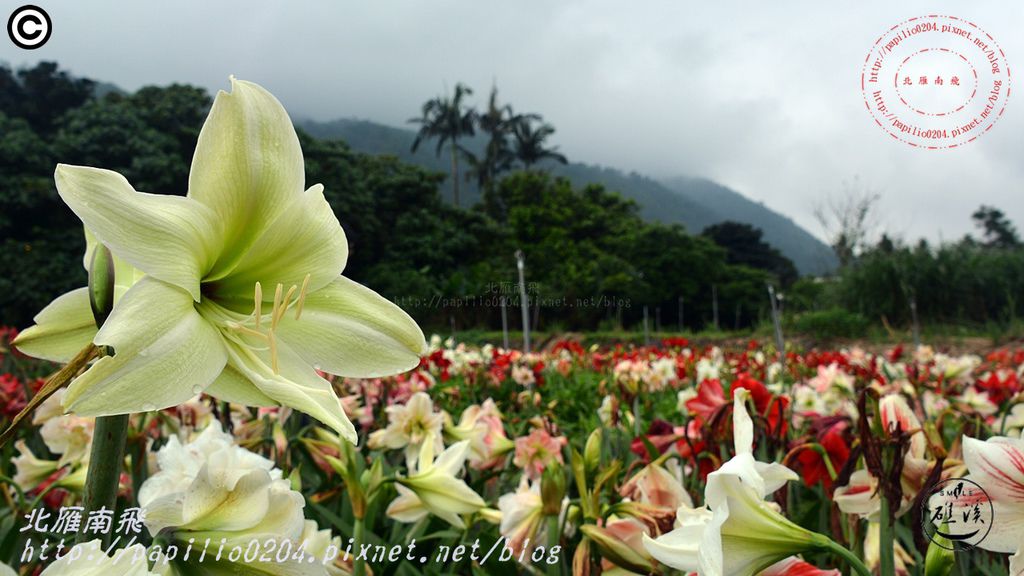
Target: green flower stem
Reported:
point(886, 539)
point(855, 563)
point(359, 533)
point(554, 539)
point(105, 463)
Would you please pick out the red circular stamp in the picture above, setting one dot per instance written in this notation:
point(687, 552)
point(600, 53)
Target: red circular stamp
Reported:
point(936, 82)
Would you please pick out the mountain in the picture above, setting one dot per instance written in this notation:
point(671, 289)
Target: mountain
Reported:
point(694, 202)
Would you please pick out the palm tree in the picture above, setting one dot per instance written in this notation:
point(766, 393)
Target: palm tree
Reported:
point(497, 157)
point(529, 142)
point(447, 119)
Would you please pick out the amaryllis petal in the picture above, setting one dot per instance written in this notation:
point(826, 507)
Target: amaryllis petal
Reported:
point(997, 465)
point(282, 375)
point(157, 337)
point(349, 330)
point(61, 329)
point(247, 168)
point(304, 238)
point(168, 237)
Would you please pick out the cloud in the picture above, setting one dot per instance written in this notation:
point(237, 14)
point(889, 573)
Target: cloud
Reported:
point(764, 98)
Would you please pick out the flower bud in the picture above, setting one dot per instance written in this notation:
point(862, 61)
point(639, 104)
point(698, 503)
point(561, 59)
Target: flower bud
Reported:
point(939, 560)
point(592, 450)
point(101, 283)
point(552, 489)
point(612, 548)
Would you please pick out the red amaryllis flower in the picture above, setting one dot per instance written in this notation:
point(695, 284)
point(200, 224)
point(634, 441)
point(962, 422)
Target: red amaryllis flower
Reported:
point(772, 407)
point(812, 464)
point(1000, 385)
point(710, 397)
point(660, 434)
point(12, 396)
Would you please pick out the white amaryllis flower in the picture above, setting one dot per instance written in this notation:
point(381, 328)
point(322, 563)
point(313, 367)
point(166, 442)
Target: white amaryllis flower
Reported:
point(179, 464)
point(522, 516)
point(235, 290)
point(410, 425)
point(432, 487)
point(481, 424)
point(30, 470)
point(320, 544)
point(736, 532)
point(68, 435)
point(997, 465)
point(211, 488)
point(90, 559)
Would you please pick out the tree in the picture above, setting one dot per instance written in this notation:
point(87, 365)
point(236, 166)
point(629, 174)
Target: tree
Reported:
point(744, 245)
point(497, 157)
point(529, 142)
point(447, 119)
point(42, 94)
point(848, 221)
point(998, 231)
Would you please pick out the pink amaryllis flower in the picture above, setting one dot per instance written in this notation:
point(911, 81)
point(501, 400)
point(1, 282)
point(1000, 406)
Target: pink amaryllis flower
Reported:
point(537, 451)
point(794, 566)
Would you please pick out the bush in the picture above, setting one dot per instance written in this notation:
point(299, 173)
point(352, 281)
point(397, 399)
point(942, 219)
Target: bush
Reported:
point(830, 324)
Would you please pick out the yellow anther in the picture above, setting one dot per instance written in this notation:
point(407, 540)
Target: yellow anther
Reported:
point(246, 330)
point(302, 297)
point(273, 351)
point(277, 302)
point(279, 313)
point(258, 307)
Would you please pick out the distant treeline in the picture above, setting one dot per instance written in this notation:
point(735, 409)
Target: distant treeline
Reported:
point(590, 260)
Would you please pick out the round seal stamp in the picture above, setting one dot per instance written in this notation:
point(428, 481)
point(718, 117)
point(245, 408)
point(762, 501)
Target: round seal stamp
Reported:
point(957, 514)
point(935, 82)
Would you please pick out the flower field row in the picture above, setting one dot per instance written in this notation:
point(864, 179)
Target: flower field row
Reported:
point(665, 459)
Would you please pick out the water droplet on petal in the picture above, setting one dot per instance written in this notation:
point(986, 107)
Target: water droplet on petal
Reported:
point(197, 389)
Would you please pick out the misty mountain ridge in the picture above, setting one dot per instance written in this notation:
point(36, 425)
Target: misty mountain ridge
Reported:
point(696, 203)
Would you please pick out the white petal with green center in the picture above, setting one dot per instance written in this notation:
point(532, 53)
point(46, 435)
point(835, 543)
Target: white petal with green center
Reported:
point(407, 507)
point(168, 237)
point(210, 505)
point(164, 354)
point(232, 386)
point(349, 330)
point(294, 384)
point(680, 548)
point(61, 329)
point(304, 238)
point(247, 167)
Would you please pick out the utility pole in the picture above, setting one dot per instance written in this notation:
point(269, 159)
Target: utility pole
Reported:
point(647, 334)
point(504, 321)
point(681, 323)
point(523, 300)
point(714, 304)
point(780, 344)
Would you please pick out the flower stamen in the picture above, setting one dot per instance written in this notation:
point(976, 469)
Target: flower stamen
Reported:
point(258, 306)
point(246, 330)
point(302, 297)
point(273, 351)
point(279, 312)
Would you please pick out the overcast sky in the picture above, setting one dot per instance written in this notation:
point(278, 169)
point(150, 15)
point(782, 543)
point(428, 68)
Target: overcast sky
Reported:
point(761, 96)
